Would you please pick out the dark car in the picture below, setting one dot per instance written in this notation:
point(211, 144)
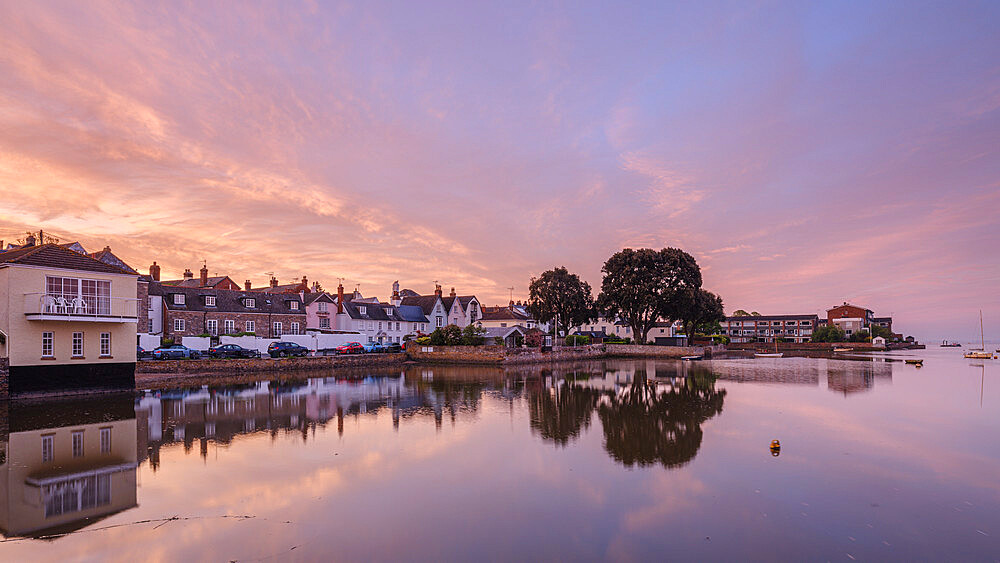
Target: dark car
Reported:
point(282, 349)
point(176, 352)
point(232, 351)
point(351, 348)
point(393, 347)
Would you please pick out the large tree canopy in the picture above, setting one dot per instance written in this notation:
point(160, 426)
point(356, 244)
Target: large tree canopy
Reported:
point(642, 286)
point(698, 307)
point(560, 296)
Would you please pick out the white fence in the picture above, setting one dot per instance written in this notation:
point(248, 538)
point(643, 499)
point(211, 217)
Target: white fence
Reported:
point(199, 343)
point(149, 341)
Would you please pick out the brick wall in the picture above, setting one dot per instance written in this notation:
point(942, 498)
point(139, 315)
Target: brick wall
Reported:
point(264, 365)
point(194, 323)
point(142, 307)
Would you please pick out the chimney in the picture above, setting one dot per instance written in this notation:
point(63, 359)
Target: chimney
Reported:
point(340, 299)
point(396, 300)
point(107, 249)
point(315, 287)
point(452, 292)
point(204, 275)
point(30, 240)
point(247, 285)
point(274, 281)
point(511, 304)
point(437, 289)
point(154, 271)
point(188, 275)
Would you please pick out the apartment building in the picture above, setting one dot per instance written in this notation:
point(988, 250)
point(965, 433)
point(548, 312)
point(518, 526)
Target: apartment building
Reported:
point(767, 328)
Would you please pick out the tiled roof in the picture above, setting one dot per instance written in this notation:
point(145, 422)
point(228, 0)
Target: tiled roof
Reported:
point(196, 282)
point(373, 311)
point(109, 257)
point(229, 301)
point(57, 256)
point(502, 314)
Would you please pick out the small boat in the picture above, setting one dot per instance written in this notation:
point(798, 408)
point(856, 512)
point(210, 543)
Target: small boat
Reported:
point(919, 362)
point(841, 349)
point(980, 353)
point(946, 344)
point(768, 355)
point(691, 358)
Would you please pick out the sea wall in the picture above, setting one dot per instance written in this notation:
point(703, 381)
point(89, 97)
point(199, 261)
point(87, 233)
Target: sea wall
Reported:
point(804, 346)
point(514, 356)
point(265, 365)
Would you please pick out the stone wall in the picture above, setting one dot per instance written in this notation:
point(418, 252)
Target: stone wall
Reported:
point(265, 365)
point(804, 346)
point(514, 356)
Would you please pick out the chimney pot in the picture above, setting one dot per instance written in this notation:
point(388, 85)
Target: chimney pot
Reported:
point(340, 299)
point(437, 289)
point(453, 292)
point(188, 275)
point(247, 285)
point(274, 281)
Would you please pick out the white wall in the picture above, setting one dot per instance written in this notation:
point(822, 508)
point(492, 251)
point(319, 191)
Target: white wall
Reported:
point(248, 342)
point(149, 341)
point(200, 343)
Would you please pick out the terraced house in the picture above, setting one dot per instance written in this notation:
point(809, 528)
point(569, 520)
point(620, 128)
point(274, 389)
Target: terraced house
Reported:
point(67, 320)
point(196, 311)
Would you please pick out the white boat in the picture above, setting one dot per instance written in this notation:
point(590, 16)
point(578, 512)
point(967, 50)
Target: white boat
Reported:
point(691, 358)
point(768, 355)
point(981, 353)
point(841, 349)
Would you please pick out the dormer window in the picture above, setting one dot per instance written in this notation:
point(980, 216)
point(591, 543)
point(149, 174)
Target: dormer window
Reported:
point(210, 301)
point(293, 305)
point(250, 303)
point(363, 310)
point(178, 299)
point(389, 311)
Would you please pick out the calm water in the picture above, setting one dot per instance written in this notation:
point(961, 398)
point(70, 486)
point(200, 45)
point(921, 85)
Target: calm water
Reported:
point(612, 460)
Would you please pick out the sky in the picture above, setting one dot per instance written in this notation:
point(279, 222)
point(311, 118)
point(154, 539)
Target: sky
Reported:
point(805, 154)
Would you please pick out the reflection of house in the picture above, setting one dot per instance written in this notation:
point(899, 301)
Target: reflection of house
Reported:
point(68, 463)
point(66, 320)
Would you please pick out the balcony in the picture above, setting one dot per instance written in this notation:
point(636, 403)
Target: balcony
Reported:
point(87, 308)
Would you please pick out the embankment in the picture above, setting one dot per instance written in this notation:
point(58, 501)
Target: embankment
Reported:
point(498, 355)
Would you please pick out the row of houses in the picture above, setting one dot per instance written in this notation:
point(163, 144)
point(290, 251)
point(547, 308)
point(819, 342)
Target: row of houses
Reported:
point(799, 328)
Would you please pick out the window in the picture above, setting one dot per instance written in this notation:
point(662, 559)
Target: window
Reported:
point(324, 323)
point(503, 325)
point(363, 310)
point(250, 303)
point(276, 329)
point(74, 495)
point(178, 299)
point(105, 343)
point(322, 307)
point(178, 325)
point(397, 326)
point(293, 305)
point(48, 449)
point(212, 327)
point(77, 296)
point(380, 325)
point(229, 326)
point(251, 326)
point(437, 321)
point(371, 325)
point(48, 340)
point(105, 440)
point(210, 301)
point(78, 443)
point(388, 311)
point(295, 328)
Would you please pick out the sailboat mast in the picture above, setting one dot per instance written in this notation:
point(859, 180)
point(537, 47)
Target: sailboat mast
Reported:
point(982, 337)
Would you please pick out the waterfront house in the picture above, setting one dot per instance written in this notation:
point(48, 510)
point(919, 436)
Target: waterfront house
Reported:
point(850, 318)
point(321, 309)
point(67, 321)
point(431, 305)
point(461, 310)
point(514, 314)
point(768, 328)
point(192, 311)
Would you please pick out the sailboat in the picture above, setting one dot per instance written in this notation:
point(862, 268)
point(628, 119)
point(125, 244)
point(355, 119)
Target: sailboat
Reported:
point(981, 353)
point(775, 354)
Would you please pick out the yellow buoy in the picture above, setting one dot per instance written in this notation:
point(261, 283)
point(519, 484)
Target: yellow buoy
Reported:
point(775, 448)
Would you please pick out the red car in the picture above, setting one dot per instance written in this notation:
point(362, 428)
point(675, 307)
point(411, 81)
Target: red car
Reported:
point(351, 348)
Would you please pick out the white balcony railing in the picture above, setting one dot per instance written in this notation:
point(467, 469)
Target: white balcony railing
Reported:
point(92, 308)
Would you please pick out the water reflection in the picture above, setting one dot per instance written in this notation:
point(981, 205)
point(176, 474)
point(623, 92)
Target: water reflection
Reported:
point(66, 463)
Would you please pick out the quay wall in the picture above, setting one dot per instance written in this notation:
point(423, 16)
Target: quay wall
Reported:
point(498, 355)
point(266, 365)
point(804, 346)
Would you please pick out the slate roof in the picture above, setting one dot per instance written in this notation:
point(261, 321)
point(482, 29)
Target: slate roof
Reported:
point(228, 301)
point(408, 293)
point(196, 282)
point(109, 257)
point(502, 314)
point(57, 256)
point(412, 314)
point(310, 298)
point(503, 332)
point(425, 302)
point(373, 311)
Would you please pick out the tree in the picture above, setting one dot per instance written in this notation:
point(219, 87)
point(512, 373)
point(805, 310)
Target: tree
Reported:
point(473, 335)
point(881, 331)
point(560, 296)
point(828, 333)
point(449, 335)
point(642, 286)
point(740, 313)
point(861, 336)
point(698, 307)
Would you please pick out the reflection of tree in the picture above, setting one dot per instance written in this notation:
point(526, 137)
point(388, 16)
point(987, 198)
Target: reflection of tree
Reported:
point(561, 415)
point(643, 426)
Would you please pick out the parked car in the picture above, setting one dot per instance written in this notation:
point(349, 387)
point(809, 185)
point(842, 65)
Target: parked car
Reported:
point(140, 353)
point(176, 352)
point(374, 348)
point(350, 348)
point(232, 351)
point(393, 347)
point(282, 349)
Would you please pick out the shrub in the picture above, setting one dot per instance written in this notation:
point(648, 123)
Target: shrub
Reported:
point(204, 335)
point(473, 335)
point(423, 340)
point(165, 342)
point(577, 340)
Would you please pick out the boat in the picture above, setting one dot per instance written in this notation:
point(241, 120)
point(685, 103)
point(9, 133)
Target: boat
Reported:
point(841, 349)
point(775, 354)
point(691, 358)
point(946, 344)
point(919, 362)
point(980, 353)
